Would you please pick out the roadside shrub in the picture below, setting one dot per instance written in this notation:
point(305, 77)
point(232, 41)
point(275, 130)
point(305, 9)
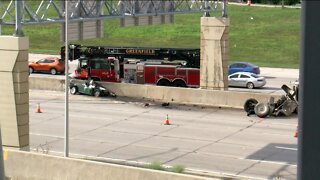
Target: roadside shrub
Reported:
point(156, 165)
point(178, 168)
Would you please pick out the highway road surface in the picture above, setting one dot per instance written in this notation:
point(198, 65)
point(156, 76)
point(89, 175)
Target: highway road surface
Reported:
point(133, 132)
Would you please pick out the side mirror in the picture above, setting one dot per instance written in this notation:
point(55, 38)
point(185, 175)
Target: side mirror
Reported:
point(37, 63)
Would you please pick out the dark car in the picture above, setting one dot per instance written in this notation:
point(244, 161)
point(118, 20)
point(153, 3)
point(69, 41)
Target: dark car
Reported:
point(91, 88)
point(243, 67)
point(52, 65)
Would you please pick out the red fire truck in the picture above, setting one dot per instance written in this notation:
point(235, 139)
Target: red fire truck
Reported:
point(162, 75)
point(158, 66)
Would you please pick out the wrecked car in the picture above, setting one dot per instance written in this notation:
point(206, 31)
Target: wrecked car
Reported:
point(285, 106)
point(90, 88)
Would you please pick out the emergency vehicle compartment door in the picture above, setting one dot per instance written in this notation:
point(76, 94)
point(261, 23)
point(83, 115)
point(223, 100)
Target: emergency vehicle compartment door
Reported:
point(140, 74)
point(117, 69)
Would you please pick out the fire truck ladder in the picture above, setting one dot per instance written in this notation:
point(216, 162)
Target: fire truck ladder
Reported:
point(191, 56)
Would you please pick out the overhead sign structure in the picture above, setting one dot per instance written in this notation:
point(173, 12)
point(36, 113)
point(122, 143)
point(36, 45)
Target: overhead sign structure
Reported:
point(86, 17)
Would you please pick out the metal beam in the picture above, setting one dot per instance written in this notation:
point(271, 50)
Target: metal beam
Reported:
point(52, 11)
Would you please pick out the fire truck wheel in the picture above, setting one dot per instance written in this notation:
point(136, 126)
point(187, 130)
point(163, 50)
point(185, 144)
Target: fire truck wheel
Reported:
point(262, 110)
point(163, 82)
point(97, 93)
point(73, 90)
point(179, 83)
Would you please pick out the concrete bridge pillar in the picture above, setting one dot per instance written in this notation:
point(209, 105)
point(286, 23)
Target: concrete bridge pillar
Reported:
point(14, 91)
point(214, 53)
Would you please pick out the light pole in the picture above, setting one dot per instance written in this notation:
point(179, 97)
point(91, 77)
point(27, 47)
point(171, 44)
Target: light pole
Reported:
point(66, 128)
point(18, 31)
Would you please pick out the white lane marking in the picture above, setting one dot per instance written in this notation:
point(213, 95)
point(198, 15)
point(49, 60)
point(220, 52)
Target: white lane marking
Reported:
point(286, 148)
point(269, 162)
point(47, 135)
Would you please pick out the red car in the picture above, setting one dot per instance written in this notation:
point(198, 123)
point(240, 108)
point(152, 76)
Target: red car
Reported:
point(52, 65)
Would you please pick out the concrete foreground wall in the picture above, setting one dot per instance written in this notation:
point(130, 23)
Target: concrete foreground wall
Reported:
point(25, 165)
point(14, 91)
point(214, 98)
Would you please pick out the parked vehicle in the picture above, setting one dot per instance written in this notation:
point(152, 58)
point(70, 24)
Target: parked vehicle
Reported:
point(246, 79)
point(243, 67)
point(158, 66)
point(162, 75)
point(90, 88)
point(51, 65)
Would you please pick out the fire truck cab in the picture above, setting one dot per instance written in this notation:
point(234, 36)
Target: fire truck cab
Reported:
point(99, 69)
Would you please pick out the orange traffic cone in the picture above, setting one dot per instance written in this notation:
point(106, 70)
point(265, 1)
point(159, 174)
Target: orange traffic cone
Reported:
point(249, 2)
point(167, 121)
point(38, 108)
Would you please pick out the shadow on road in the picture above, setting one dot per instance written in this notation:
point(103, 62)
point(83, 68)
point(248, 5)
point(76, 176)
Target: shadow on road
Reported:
point(277, 153)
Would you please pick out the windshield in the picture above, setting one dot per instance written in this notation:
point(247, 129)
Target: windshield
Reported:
point(97, 63)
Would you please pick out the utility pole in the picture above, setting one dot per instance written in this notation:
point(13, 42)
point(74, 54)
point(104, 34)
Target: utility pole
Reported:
point(66, 73)
point(309, 98)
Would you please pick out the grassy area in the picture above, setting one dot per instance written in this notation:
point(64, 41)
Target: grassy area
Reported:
point(264, 36)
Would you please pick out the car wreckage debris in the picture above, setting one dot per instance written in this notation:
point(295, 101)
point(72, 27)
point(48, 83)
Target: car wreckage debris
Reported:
point(285, 106)
point(90, 87)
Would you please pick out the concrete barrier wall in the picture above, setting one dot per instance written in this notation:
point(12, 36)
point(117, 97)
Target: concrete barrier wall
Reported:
point(46, 83)
point(204, 97)
point(25, 165)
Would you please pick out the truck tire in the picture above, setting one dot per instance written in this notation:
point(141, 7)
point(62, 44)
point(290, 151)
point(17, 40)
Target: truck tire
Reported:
point(179, 83)
point(163, 82)
point(250, 104)
point(262, 110)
